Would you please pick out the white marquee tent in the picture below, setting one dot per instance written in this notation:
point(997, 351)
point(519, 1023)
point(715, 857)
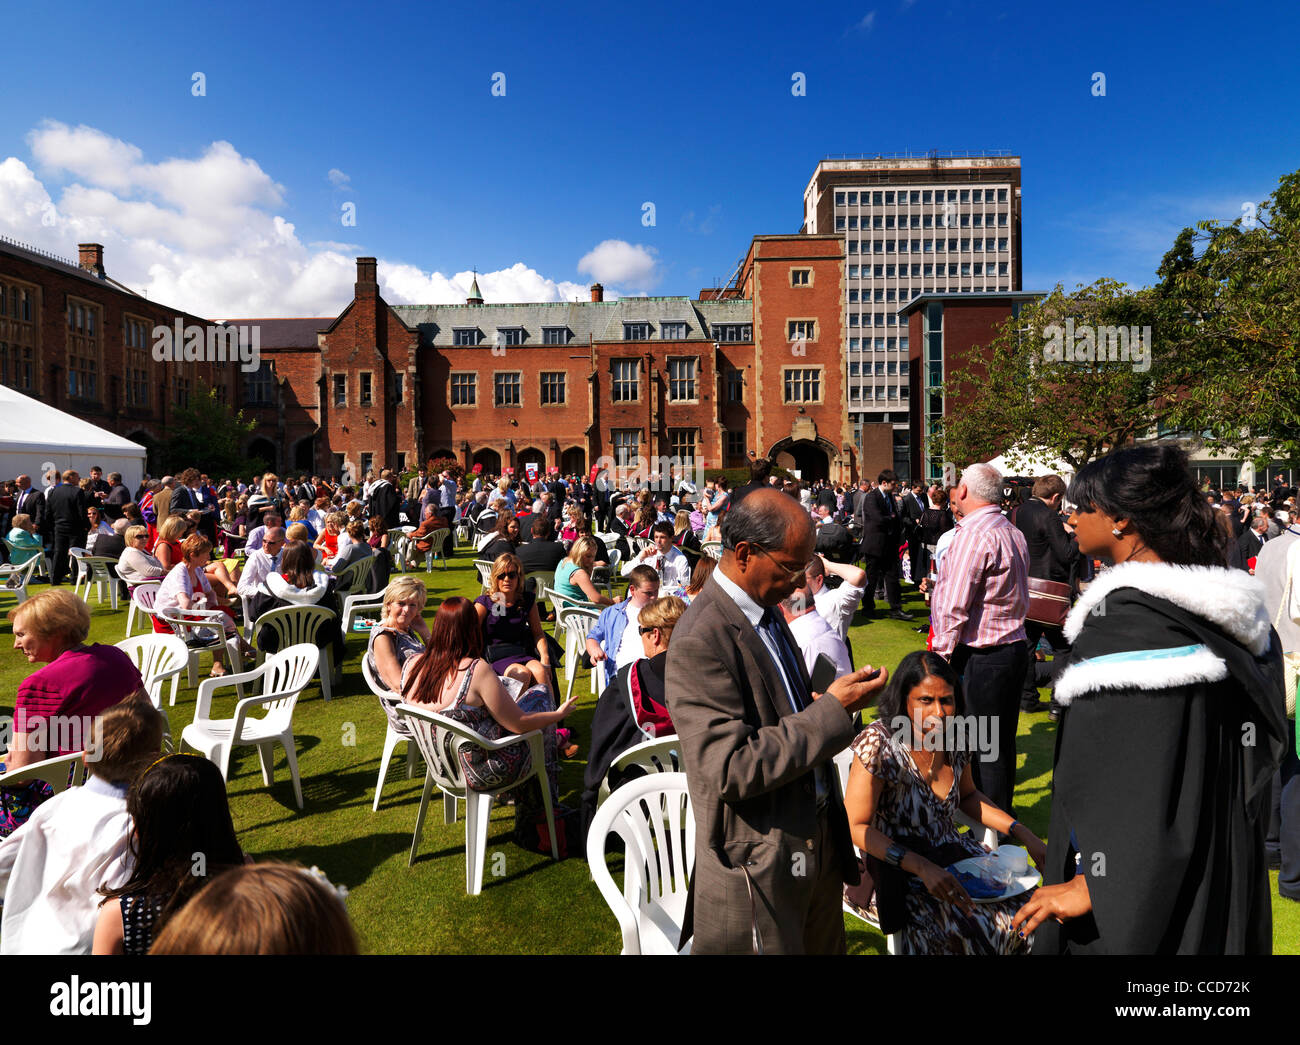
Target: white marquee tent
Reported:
point(1030, 466)
point(36, 438)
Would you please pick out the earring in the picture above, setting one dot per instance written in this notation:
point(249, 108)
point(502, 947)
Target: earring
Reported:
point(1116, 532)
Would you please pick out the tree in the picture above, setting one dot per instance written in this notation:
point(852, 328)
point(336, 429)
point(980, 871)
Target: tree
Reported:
point(208, 436)
point(1224, 364)
point(1070, 377)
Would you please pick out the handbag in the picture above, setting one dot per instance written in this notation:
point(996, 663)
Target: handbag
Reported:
point(1049, 602)
point(1290, 661)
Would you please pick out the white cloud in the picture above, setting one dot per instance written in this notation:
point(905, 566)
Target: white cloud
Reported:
point(338, 179)
point(617, 261)
point(867, 24)
point(201, 234)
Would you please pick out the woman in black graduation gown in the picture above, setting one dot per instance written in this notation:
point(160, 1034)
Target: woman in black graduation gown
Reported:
point(1174, 725)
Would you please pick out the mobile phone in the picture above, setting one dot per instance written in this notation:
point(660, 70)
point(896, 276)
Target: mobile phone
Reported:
point(824, 672)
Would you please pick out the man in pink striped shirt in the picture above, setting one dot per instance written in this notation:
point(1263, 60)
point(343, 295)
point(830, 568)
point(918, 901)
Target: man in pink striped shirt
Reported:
point(978, 620)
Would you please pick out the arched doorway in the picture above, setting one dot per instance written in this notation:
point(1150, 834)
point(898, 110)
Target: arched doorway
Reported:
point(573, 461)
point(530, 455)
point(489, 459)
point(810, 459)
point(264, 450)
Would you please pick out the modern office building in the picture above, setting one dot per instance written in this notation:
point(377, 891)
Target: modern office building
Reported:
point(911, 226)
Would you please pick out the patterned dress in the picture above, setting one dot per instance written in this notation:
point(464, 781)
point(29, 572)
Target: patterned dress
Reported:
point(139, 918)
point(910, 807)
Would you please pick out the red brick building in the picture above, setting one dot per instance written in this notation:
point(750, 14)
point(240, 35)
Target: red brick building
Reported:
point(755, 366)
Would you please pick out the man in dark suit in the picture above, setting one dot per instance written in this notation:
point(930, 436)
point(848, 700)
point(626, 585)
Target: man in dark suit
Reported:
point(773, 849)
point(118, 497)
point(67, 506)
point(880, 525)
point(543, 552)
point(31, 501)
point(190, 495)
point(1252, 540)
point(385, 501)
point(1053, 556)
point(912, 507)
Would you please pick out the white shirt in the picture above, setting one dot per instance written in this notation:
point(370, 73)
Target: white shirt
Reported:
point(256, 569)
point(837, 606)
point(815, 637)
point(674, 569)
point(51, 869)
point(630, 648)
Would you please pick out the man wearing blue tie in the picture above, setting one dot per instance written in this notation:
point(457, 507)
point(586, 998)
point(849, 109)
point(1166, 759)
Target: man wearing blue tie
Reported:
point(772, 840)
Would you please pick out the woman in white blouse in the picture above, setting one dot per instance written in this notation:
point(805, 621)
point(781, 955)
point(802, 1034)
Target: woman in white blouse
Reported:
point(186, 587)
point(135, 566)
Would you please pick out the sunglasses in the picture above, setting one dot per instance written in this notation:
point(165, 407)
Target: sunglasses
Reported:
point(508, 574)
point(646, 630)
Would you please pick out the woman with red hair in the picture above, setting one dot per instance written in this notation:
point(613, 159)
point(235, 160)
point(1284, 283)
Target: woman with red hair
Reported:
point(451, 678)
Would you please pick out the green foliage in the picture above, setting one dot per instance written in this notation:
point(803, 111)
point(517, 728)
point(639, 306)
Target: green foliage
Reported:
point(1225, 363)
point(209, 436)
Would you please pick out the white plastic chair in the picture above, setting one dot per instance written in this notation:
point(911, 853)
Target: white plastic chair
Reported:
point(437, 539)
point(399, 542)
point(575, 622)
point(654, 818)
point(142, 598)
point(188, 630)
point(353, 587)
point(42, 563)
point(60, 772)
point(293, 625)
point(662, 755)
point(539, 582)
point(392, 737)
point(441, 740)
point(283, 676)
point(23, 575)
point(158, 658)
point(93, 569)
point(712, 548)
point(484, 568)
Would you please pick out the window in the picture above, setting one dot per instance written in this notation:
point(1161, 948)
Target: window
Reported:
point(725, 332)
point(736, 444)
point(1002, 195)
point(839, 199)
point(181, 391)
point(367, 381)
point(979, 221)
point(83, 351)
point(853, 199)
point(464, 389)
point(735, 386)
point(925, 196)
point(624, 380)
point(1002, 219)
point(553, 387)
point(462, 336)
point(672, 331)
point(138, 360)
point(803, 385)
point(398, 389)
point(800, 277)
point(636, 331)
point(555, 335)
point(510, 336)
point(626, 442)
point(258, 387)
point(681, 380)
point(681, 443)
point(401, 461)
point(367, 463)
point(1002, 244)
point(839, 223)
point(506, 388)
point(801, 330)
point(340, 390)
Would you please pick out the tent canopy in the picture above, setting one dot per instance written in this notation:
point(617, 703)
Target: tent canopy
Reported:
point(35, 439)
point(1031, 465)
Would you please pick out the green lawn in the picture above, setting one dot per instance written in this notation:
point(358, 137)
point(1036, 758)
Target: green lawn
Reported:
point(533, 905)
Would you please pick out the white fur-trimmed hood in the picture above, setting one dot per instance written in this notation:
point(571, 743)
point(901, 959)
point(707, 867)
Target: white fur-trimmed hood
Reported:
point(1231, 599)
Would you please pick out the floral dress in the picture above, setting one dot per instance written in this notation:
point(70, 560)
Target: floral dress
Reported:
point(910, 807)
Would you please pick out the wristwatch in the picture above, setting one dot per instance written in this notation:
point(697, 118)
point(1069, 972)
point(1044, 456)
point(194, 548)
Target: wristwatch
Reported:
point(894, 854)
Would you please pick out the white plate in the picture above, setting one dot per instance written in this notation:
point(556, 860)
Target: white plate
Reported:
point(1022, 883)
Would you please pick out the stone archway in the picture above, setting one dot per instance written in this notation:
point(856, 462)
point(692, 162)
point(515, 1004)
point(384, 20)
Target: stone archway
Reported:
point(573, 461)
point(811, 458)
point(489, 459)
point(266, 450)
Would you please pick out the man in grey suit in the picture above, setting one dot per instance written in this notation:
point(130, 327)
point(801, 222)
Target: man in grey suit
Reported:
point(773, 849)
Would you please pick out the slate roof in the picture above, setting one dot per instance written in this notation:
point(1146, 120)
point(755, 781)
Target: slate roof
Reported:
point(585, 320)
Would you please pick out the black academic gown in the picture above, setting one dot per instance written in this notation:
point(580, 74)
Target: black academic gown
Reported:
point(1162, 778)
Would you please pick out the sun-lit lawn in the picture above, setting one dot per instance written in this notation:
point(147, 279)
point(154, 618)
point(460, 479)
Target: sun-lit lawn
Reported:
point(534, 906)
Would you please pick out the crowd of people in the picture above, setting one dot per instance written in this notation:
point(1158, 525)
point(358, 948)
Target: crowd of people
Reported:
point(715, 610)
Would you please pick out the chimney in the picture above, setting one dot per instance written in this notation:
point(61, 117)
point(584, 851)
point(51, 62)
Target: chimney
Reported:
point(367, 281)
point(597, 292)
point(91, 258)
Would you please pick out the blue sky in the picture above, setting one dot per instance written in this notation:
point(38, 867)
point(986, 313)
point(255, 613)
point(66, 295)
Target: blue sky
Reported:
point(224, 203)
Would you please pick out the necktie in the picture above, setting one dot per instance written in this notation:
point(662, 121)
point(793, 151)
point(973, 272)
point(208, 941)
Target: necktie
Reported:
point(789, 666)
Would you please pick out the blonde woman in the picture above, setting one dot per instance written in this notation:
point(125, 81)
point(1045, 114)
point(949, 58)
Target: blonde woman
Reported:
point(327, 544)
point(402, 632)
point(573, 575)
point(512, 628)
